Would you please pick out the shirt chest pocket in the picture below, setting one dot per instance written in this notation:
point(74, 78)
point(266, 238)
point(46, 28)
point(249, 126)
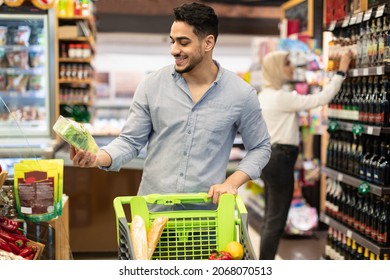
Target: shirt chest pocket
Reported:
point(215, 118)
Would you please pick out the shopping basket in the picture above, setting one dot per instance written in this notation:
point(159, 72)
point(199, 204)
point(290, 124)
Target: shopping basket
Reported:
point(188, 234)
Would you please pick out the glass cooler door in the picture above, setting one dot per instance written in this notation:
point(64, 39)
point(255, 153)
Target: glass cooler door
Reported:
point(27, 94)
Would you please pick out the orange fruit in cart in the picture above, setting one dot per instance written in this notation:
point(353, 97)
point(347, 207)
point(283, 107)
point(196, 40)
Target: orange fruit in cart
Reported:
point(235, 249)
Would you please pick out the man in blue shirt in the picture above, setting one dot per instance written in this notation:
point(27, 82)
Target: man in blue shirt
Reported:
point(189, 114)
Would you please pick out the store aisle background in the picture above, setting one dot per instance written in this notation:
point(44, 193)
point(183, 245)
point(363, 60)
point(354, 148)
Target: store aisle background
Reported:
point(290, 247)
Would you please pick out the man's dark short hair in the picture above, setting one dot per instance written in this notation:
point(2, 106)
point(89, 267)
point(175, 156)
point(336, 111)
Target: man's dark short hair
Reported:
point(201, 17)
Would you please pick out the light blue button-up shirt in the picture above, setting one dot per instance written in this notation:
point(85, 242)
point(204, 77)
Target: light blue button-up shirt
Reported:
point(189, 143)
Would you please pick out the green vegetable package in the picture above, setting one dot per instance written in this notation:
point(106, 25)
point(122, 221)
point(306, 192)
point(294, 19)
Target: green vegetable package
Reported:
point(75, 134)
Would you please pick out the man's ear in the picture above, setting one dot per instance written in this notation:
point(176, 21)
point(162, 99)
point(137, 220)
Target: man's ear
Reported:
point(209, 43)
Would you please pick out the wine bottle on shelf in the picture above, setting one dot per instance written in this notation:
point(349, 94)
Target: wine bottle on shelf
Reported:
point(337, 245)
point(369, 215)
point(342, 203)
point(365, 158)
point(359, 253)
point(375, 221)
point(372, 162)
point(358, 212)
point(348, 251)
point(383, 111)
point(382, 168)
point(343, 248)
point(373, 102)
point(347, 146)
point(347, 206)
point(366, 254)
point(352, 210)
point(384, 223)
point(364, 214)
point(330, 151)
point(362, 97)
point(329, 245)
point(366, 99)
point(354, 250)
point(357, 157)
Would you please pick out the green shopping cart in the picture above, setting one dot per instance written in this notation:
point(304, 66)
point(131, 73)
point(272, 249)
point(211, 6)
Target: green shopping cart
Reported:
point(188, 234)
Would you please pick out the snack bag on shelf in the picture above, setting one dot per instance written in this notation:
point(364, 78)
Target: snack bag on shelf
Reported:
point(48, 164)
point(38, 189)
point(75, 134)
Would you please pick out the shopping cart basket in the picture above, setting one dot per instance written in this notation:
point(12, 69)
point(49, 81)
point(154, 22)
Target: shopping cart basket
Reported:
point(188, 234)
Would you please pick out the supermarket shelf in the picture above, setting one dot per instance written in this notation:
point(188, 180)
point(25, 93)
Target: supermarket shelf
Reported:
point(369, 71)
point(89, 19)
point(357, 18)
point(355, 182)
point(23, 94)
point(20, 71)
point(76, 103)
point(372, 246)
point(367, 129)
point(75, 81)
point(75, 60)
point(90, 40)
point(22, 48)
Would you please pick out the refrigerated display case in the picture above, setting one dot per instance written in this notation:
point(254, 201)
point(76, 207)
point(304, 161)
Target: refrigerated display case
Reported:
point(27, 81)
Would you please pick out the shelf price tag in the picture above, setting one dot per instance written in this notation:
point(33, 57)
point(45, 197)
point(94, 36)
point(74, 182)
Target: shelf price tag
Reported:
point(355, 72)
point(370, 130)
point(349, 233)
point(353, 20)
point(380, 11)
point(367, 15)
point(345, 21)
point(340, 177)
point(332, 25)
point(359, 17)
point(327, 220)
point(379, 70)
point(357, 129)
point(364, 188)
point(365, 71)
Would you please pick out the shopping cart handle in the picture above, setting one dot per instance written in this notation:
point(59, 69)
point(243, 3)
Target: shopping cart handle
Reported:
point(179, 198)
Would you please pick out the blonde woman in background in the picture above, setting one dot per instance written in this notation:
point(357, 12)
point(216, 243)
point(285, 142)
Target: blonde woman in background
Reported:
point(280, 111)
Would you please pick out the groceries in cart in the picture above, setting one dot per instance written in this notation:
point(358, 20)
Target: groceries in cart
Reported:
point(146, 242)
point(196, 234)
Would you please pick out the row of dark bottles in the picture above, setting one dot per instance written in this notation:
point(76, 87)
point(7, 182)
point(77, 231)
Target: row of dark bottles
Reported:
point(366, 157)
point(341, 247)
point(368, 215)
point(362, 99)
point(369, 42)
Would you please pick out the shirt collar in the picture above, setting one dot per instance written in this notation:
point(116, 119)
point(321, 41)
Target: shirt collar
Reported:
point(177, 76)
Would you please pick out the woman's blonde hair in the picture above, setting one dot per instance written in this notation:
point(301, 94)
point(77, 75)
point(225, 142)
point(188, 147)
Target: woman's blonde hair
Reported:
point(272, 69)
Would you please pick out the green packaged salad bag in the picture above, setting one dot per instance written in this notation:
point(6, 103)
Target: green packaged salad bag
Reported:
point(75, 134)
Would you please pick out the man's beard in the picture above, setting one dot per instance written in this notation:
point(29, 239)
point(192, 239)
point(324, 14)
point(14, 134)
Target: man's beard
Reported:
point(192, 64)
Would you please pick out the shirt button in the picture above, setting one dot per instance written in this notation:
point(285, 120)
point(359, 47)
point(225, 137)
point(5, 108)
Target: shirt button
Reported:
point(189, 132)
point(185, 153)
point(181, 174)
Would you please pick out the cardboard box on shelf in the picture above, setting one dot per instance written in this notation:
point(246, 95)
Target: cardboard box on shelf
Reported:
point(68, 31)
